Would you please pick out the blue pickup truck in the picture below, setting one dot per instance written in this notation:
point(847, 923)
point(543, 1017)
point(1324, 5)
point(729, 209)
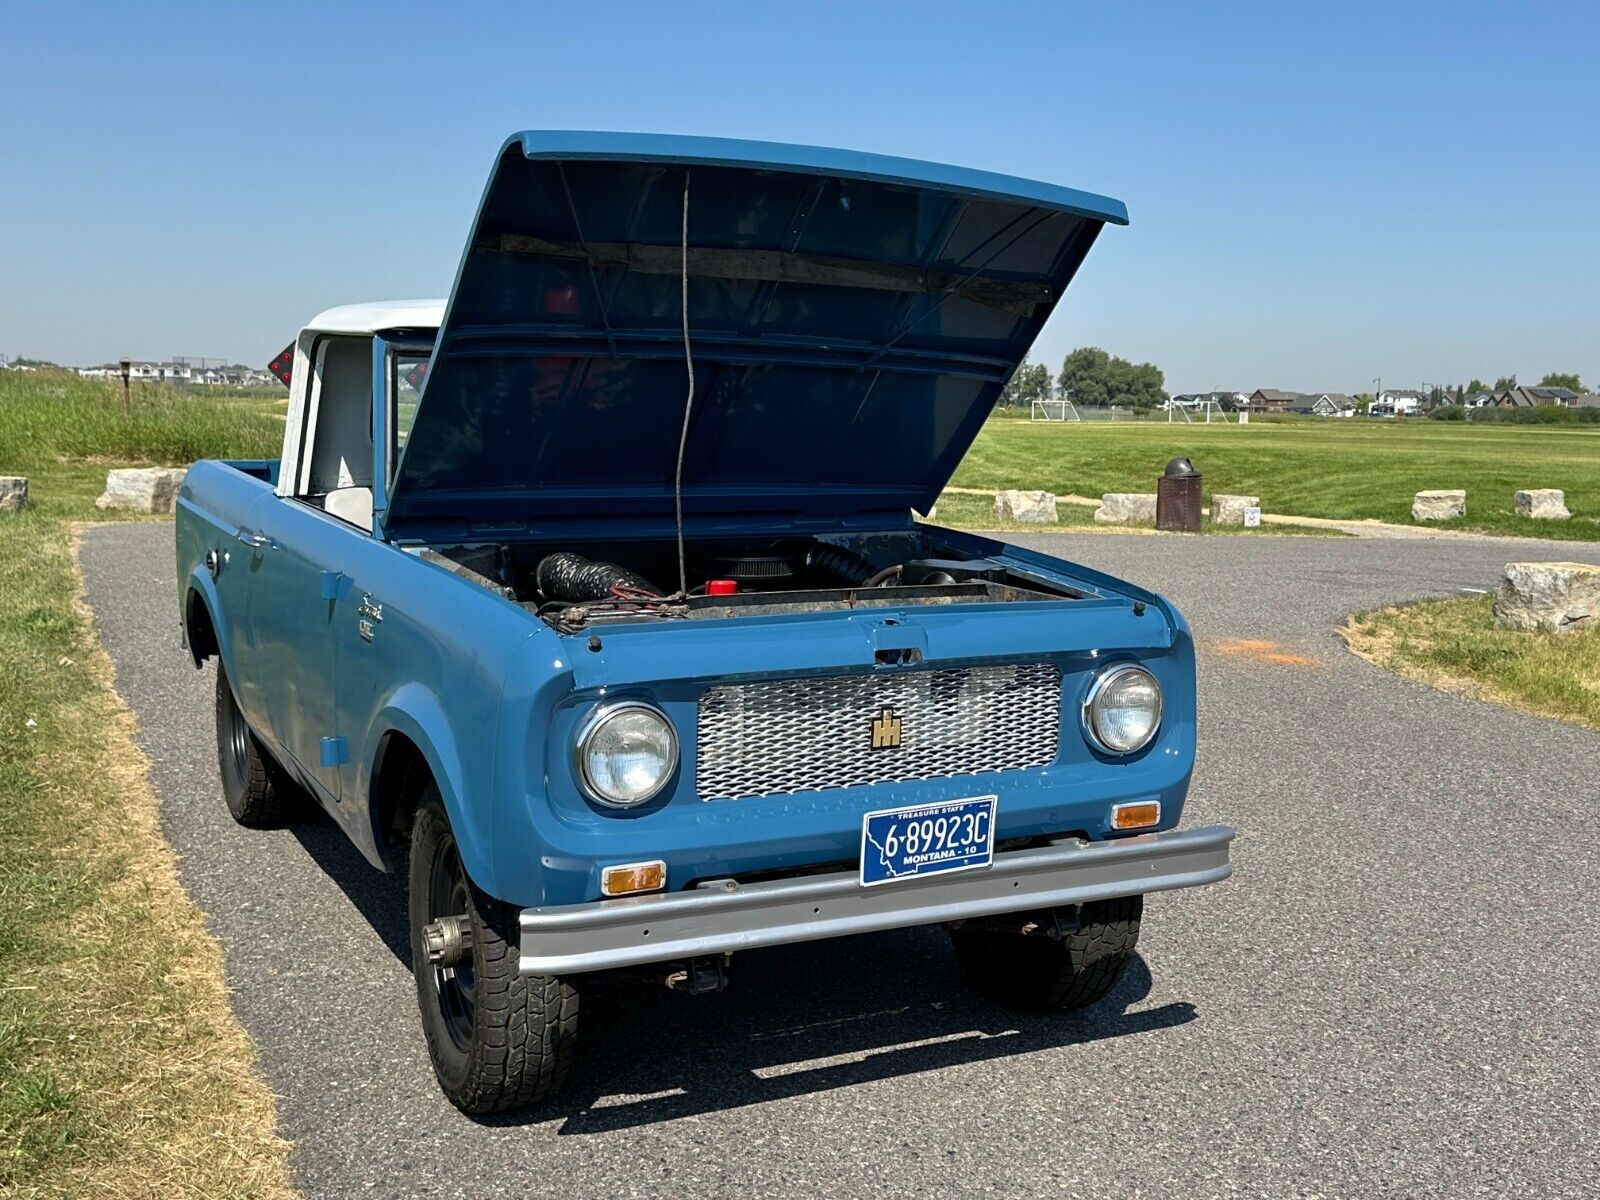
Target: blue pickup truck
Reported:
point(595, 598)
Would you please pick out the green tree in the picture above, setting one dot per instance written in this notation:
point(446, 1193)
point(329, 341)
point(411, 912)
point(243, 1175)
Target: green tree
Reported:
point(1569, 381)
point(1477, 385)
point(1030, 382)
point(1504, 384)
point(1094, 377)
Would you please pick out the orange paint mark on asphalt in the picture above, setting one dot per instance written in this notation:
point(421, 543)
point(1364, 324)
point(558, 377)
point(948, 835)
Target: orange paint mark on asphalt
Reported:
point(1262, 651)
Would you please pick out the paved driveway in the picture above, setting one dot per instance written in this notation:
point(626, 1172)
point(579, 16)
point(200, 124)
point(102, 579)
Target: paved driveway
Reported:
point(1396, 994)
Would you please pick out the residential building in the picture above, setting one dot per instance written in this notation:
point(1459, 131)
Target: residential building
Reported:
point(1271, 400)
point(1323, 404)
point(1397, 402)
point(1533, 397)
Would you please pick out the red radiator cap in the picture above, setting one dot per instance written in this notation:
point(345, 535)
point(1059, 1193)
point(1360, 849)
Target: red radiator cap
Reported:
point(722, 587)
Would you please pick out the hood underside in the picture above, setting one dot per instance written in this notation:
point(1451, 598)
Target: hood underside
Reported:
point(852, 320)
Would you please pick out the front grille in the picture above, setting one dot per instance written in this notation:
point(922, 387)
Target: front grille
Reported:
point(760, 739)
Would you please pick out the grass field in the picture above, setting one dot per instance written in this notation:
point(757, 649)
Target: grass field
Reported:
point(1453, 645)
point(122, 1069)
point(1350, 469)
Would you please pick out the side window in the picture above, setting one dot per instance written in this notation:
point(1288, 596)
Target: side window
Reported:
point(338, 468)
point(409, 368)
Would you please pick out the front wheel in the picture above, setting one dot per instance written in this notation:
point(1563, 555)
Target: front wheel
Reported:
point(1071, 965)
point(499, 1040)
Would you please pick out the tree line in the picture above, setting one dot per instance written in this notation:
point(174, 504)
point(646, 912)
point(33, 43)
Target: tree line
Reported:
point(1091, 376)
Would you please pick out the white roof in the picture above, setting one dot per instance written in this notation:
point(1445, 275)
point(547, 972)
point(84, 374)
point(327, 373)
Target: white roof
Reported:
point(378, 315)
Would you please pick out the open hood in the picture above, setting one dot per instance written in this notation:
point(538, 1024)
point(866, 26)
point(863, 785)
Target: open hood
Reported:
point(852, 319)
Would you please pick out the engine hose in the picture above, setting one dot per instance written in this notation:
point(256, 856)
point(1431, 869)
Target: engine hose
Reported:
point(574, 578)
point(844, 566)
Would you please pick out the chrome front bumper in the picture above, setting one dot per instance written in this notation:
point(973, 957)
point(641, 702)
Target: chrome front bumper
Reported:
point(724, 916)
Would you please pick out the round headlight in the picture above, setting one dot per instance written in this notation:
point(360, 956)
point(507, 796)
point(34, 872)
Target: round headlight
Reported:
point(1123, 711)
point(626, 754)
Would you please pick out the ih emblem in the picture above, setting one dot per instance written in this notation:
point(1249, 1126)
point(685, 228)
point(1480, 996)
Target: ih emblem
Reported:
point(886, 730)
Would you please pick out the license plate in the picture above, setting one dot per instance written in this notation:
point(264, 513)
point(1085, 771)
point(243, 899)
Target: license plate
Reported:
point(909, 843)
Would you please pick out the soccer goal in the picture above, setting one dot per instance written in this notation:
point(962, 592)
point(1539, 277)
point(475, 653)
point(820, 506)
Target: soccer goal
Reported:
point(1054, 410)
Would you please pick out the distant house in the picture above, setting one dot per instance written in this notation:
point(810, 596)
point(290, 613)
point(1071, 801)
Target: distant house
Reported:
point(142, 371)
point(1479, 400)
point(1533, 397)
point(1588, 400)
point(234, 375)
point(1397, 402)
point(1271, 400)
point(1323, 404)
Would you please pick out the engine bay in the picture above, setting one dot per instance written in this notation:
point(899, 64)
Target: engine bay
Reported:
point(572, 588)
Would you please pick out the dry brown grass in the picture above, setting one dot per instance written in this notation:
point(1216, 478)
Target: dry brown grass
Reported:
point(1453, 645)
point(128, 1075)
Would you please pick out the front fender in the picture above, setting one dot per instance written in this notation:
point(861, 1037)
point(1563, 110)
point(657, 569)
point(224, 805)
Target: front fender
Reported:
point(414, 711)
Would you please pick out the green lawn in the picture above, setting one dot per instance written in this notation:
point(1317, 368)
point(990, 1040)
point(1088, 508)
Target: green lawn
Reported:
point(1311, 467)
point(1453, 645)
point(122, 1068)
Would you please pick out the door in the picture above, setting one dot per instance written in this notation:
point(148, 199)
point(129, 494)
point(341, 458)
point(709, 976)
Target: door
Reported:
point(293, 617)
point(301, 589)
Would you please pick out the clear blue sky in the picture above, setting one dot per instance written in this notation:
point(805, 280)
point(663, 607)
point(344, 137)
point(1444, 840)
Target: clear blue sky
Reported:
point(1319, 194)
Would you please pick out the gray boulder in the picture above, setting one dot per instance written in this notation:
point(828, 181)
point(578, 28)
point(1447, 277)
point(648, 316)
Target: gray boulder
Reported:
point(1026, 508)
point(13, 492)
point(1558, 597)
point(1441, 505)
point(1127, 508)
point(142, 489)
point(1543, 504)
point(1229, 510)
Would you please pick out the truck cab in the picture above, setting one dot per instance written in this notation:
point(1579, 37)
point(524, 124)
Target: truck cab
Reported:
point(597, 598)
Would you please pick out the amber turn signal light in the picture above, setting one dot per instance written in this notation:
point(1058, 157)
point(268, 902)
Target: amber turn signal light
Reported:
point(1141, 814)
point(633, 877)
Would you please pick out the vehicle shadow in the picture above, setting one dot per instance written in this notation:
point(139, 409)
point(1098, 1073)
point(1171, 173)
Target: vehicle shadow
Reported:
point(796, 1020)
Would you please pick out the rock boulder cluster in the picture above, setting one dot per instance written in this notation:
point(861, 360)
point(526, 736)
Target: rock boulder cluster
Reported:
point(142, 489)
point(13, 492)
point(1026, 508)
point(1126, 508)
point(1558, 597)
point(1542, 504)
point(1229, 510)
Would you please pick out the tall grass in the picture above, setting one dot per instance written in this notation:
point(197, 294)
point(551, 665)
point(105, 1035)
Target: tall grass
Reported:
point(53, 415)
point(122, 1069)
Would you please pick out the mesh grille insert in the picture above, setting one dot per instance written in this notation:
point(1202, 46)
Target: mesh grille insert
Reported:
point(760, 739)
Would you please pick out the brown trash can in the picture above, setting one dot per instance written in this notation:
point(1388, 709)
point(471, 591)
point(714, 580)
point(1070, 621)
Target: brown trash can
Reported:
point(1178, 498)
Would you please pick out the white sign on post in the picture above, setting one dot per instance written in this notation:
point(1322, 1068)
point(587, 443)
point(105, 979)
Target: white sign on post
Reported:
point(1244, 417)
point(1252, 517)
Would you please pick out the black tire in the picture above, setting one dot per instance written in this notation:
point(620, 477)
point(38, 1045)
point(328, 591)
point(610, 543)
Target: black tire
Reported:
point(1044, 974)
point(499, 1040)
point(259, 793)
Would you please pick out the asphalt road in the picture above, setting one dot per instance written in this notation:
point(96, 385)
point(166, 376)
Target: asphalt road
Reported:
point(1395, 994)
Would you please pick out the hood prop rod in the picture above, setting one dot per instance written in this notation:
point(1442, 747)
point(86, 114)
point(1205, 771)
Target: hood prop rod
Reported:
point(688, 403)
